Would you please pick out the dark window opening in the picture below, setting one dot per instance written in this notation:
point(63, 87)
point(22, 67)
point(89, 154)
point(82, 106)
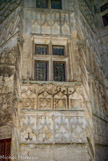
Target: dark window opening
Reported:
point(42, 3)
point(41, 49)
point(58, 50)
point(59, 71)
point(104, 7)
point(105, 19)
point(41, 71)
point(56, 4)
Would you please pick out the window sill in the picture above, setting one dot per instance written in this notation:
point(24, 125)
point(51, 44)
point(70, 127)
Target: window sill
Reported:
point(49, 9)
point(50, 82)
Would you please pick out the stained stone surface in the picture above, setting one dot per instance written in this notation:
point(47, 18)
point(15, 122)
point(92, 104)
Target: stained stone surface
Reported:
point(49, 120)
point(56, 152)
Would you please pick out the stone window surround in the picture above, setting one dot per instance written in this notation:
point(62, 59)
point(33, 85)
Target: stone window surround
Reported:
point(50, 58)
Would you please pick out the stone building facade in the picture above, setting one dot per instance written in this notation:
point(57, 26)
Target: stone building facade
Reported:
point(53, 93)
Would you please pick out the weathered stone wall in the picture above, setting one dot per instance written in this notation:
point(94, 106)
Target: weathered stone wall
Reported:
point(85, 62)
point(55, 152)
point(93, 80)
point(52, 120)
point(10, 38)
point(6, 97)
point(53, 123)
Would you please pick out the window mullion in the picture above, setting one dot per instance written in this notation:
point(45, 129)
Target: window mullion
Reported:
point(50, 62)
point(49, 3)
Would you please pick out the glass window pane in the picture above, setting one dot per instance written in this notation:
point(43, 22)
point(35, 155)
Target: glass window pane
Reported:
point(105, 19)
point(58, 50)
point(42, 3)
point(56, 4)
point(41, 71)
point(104, 7)
point(59, 71)
point(41, 49)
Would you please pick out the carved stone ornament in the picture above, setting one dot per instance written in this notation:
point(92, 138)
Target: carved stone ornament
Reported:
point(50, 96)
point(8, 56)
point(6, 70)
point(53, 127)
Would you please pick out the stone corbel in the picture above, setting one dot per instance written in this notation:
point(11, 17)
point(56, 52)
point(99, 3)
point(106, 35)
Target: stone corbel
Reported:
point(6, 70)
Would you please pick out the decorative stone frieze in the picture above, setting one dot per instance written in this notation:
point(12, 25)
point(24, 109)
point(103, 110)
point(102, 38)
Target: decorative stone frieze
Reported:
point(51, 96)
point(53, 121)
point(53, 127)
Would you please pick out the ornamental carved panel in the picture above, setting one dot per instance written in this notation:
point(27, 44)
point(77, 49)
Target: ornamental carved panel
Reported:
point(78, 126)
point(28, 128)
point(8, 56)
point(54, 22)
point(76, 98)
point(61, 127)
point(53, 127)
point(28, 100)
point(44, 103)
point(51, 97)
point(60, 97)
point(59, 103)
point(28, 103)
point(45, 97)
point(45, 129)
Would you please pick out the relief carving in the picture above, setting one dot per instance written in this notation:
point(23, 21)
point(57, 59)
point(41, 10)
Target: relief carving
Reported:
point(28, 128)
point(28, 103)
point(28, 98)
point(59, 103)
point(53, 22)
point(61, 125)
point(45, 97)
point(44, 103)
point(8, 56)
point(45, 129)
point(60, 99)
point(50, 96)
point(52, 127)
point(76, 99)
point(78, 129)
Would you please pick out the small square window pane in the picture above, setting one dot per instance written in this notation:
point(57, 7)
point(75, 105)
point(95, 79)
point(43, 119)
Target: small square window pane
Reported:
point(104, 7)
point(105, 19)
point(58, 50)
point(41, 49)
point(41, 69)
point(42, 3)
point(56, 4)
point(59, 71)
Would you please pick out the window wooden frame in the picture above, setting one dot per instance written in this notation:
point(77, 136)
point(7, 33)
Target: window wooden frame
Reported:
point(50, 58)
